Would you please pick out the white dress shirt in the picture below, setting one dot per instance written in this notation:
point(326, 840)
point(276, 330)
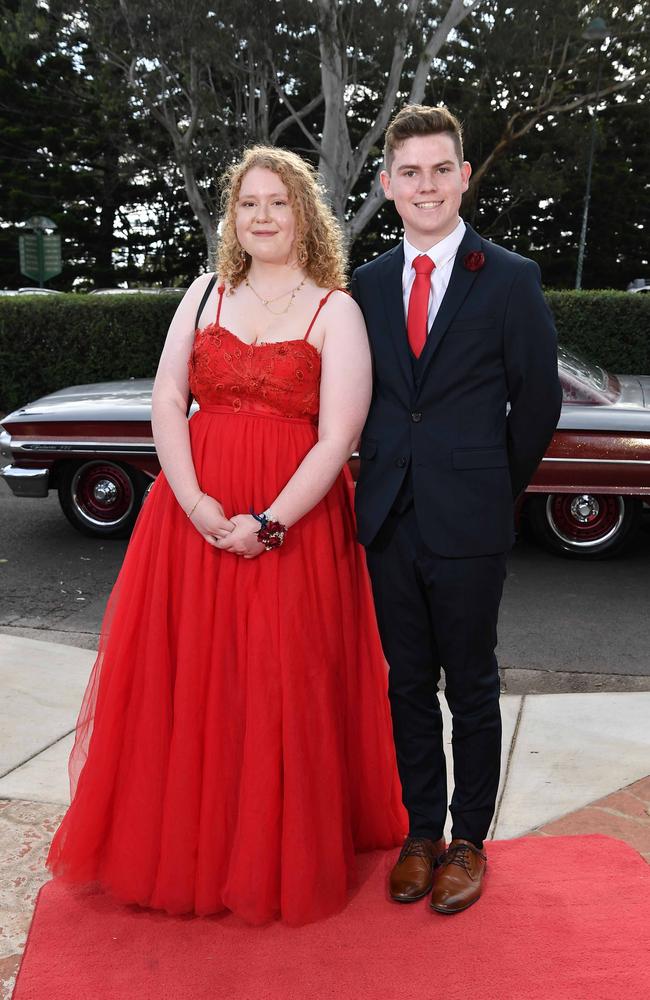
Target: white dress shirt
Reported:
point(443, 255)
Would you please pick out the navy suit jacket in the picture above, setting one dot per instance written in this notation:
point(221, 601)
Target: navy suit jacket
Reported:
point(471, 428)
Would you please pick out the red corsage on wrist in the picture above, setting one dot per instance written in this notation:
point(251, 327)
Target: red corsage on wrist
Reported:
point(474, 261)
point(271, 533)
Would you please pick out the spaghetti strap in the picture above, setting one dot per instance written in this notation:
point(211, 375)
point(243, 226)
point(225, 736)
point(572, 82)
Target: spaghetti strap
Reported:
point(204, 298)
point(320, 306)
point(221, 289)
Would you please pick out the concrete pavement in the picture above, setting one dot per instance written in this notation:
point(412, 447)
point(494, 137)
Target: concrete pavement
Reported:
point(571, 763)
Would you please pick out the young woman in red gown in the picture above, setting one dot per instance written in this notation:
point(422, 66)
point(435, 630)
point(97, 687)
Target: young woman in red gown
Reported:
point(234, 745)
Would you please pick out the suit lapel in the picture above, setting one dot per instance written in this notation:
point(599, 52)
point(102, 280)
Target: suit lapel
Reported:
point(460, 283)
point(393, 296)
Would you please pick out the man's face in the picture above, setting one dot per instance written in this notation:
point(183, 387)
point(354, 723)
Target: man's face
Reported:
point(427, 182)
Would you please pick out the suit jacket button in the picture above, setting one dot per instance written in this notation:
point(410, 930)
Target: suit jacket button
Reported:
point(416, 417)
point(400, 463)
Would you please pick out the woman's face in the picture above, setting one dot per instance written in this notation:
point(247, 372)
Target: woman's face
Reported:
point(264, 220)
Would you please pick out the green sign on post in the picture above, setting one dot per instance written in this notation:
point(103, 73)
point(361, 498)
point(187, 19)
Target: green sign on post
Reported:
point(40, 252)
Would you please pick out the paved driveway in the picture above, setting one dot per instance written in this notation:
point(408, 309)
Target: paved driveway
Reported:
point(565, 626)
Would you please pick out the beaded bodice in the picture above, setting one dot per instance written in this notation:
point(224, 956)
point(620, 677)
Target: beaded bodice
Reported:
point(279, 377)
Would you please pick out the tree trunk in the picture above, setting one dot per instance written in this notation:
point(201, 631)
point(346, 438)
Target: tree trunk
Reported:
point(104, 270)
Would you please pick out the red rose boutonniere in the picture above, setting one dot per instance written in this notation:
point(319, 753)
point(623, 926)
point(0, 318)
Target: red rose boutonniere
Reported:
point(474, 261)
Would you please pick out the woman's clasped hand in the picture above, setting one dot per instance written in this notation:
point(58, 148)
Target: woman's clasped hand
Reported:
point(237, 534)
point(208, 518)
point(242, 540)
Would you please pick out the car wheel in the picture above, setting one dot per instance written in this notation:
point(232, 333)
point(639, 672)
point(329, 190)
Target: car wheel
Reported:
point(101, 497)
point(584, 525)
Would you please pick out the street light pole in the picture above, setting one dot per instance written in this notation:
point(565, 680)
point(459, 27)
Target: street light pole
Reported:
point(596, 31)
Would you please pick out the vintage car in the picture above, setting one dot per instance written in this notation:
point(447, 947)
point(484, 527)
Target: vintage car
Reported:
point(93, 444)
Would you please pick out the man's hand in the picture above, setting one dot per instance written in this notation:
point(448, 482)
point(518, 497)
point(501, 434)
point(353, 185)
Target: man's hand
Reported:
point(242, 540)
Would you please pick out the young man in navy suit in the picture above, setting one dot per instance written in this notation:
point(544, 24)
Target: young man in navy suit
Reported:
point(466, 398)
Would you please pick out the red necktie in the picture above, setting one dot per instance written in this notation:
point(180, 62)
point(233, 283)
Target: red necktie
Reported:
point(418, 311)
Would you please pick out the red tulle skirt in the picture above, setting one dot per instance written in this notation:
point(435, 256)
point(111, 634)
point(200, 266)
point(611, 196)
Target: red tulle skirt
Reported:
point(234, 745)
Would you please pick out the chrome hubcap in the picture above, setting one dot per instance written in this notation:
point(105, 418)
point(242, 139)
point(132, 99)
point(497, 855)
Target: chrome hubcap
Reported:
point(105, 492)
point(585, 508)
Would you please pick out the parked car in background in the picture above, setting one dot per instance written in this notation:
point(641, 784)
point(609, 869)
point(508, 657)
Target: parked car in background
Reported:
point(30, 291)
point(93, 444)
point(639, 285)
point(94, 291)
point(586, 498)
point(134, 291)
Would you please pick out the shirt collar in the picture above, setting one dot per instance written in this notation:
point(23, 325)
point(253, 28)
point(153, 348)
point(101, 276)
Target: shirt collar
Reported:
point(440, 252)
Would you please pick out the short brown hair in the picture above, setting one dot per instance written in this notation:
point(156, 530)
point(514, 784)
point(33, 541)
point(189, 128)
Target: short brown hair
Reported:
point(319, 238)
point(419, 119)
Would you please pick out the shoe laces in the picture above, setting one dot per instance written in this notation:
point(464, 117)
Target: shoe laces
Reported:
point(415, 848)
point(460, 855)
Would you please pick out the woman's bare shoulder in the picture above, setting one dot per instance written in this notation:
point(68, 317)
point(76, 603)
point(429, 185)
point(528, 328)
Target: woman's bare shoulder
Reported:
point(200, 284)
point(343, 325)
point(341, 305)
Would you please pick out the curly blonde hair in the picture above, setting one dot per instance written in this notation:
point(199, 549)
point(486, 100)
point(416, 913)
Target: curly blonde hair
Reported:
point(319, 238)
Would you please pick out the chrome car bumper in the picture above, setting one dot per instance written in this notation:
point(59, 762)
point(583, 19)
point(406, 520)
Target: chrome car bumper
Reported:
point(26, 482)
point(22, 482)
point(5, 446)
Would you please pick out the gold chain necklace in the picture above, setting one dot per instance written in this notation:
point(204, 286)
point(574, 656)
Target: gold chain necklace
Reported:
point(267, 302)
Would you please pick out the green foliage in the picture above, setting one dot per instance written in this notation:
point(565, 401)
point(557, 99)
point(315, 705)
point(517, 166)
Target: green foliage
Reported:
point(116, 120)
point(529, 56)
point(73, 148)
point(609, 327)
point(48, 343)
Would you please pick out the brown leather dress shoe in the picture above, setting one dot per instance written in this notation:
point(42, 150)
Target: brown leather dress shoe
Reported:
point(458, 881)
point(412, 875)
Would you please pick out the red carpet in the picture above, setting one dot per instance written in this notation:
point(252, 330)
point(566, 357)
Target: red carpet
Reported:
point(564, 918)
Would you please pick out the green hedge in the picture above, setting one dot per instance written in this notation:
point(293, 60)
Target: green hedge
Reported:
point(612, 328)
point(49, 342)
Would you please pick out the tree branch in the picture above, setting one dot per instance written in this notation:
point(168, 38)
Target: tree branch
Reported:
point(390, 93)
point(456, 12)
point(369, 207)
point(295, 116)
point(511, 135)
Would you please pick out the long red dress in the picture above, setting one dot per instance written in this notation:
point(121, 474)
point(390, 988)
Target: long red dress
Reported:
point(234, 745)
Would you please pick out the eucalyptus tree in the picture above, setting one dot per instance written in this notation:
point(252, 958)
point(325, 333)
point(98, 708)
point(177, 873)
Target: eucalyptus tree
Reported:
point(324, 73)
point(203, 73)
point(184, 87)
point(529, 85)
point(531, 66)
